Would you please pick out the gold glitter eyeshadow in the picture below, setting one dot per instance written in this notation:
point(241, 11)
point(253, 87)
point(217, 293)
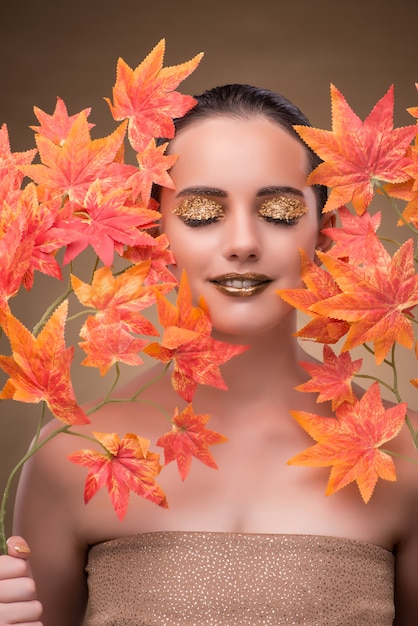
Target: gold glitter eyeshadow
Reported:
point(283, 208)
point(198, 208)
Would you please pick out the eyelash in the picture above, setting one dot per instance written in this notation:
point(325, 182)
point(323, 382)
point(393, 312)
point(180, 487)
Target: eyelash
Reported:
point(197, 222)
point(193, 223)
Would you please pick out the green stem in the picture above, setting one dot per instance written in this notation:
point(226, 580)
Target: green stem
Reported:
point(399, 456)
point(376, 379)
point(395, 206)
point(50, 310)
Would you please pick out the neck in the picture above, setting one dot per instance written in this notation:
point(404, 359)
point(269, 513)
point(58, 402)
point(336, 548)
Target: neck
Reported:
point(269, 367)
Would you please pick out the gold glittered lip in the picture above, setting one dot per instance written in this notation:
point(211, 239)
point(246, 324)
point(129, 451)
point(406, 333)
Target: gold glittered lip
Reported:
point(241, 285)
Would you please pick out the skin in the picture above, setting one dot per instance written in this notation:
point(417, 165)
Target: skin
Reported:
point(238, 158)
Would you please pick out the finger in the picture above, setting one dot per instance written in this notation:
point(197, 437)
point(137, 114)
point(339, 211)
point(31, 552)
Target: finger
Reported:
point(12, 567)
point(18, 547)
point(17, 590)
point(21, 613)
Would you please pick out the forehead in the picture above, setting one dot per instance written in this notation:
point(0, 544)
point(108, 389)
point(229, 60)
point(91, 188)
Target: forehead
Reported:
point(224, 151)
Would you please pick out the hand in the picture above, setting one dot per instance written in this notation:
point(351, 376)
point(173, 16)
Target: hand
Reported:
point(18, 603)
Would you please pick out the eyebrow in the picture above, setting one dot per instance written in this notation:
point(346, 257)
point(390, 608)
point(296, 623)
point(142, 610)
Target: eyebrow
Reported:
point(280, 191)
point(202, 191)
point(220, 193)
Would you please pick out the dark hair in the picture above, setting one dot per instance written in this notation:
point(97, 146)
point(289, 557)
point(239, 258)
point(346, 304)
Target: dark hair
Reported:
point(244, 101)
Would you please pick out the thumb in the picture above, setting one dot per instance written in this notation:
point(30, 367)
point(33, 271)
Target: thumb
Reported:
point(18, 547)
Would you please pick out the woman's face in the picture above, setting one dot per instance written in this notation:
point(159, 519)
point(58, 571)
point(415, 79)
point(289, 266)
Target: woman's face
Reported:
point(239, 214)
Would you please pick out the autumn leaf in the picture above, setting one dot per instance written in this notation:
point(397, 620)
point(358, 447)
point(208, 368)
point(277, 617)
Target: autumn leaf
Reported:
point(320, 286)
point(357, 154)
point(103, 220)
point(10, 175)
point(356, 238)
point(154, 249)
point(350, 442)
point(56, 127)
point(332, 378)
point(189, 438)
point(125, 293)
point(40, 367)
point(126, 466)
point(188, 343)
point(15, 259)
point(375, 300)
point(153, 168)
point(414, 110)
point(106, 342)
point(39, 227)
point(70, 169)
point(145, 95)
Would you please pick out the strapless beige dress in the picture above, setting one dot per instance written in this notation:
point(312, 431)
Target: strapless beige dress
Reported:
point(232, 579)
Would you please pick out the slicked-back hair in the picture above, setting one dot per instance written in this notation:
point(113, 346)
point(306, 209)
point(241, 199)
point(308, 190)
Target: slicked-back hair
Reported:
point(246, 101)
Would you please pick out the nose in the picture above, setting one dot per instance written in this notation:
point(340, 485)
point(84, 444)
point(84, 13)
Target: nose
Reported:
point(242, 240)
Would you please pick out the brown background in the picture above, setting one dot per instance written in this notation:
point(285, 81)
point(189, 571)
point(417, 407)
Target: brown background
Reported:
point(298, 47)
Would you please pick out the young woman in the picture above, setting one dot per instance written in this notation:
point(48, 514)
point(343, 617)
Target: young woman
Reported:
point(256, 542)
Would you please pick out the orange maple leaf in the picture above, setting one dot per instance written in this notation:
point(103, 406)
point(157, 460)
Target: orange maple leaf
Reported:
point(69, 169)
point(320, 286)
point(357, 154)
point(350, 442)
point(145, 96)
point(375, 300)
point(332, 378)
point(189, 438)
point(106, 342)
point(57, 126)
point(125, 294)
point(15, 258)
point(126, 466)
point(154, 249)
point(153, 166)
point(414, 110)
point(188, 343)
point(40, 367)
point(356, 238)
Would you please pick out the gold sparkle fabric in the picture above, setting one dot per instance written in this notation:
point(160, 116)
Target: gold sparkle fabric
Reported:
point(233, 579)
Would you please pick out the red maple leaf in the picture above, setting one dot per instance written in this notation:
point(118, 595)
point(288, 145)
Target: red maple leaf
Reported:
point(356, 238)
point(103, 220)
point(350, 442)
point(10, 175)
point(40, 367)
point(153, 169)
point(147, 98)
point(375, 300)
point(320, 286)
point(332, 378)
point(357, 154)
point(188, 343)
point(56, 127)
point(69, 169)
point(126, 466)
point(39, 227)
point(189, 438)
point(15, 259)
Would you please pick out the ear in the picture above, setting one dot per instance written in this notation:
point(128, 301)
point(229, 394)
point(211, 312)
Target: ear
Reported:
point(328, 220)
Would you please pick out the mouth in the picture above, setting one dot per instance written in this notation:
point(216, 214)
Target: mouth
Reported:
point(241, 285)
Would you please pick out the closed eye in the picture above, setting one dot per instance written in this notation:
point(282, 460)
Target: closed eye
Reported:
point(198, 211)
point(285, 209)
